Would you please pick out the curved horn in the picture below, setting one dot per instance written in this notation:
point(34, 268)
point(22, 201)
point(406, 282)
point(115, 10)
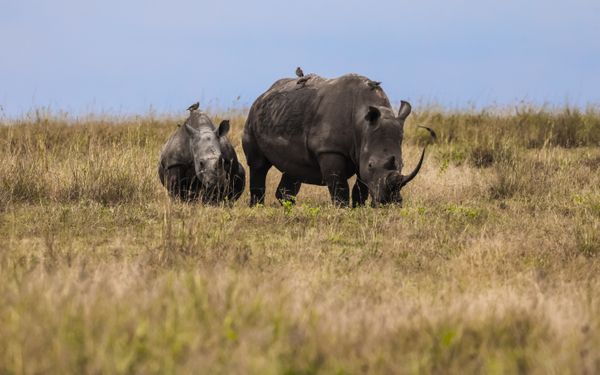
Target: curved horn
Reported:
point(406, 179)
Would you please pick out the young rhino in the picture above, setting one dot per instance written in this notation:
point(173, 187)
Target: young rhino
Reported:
point(198, 162)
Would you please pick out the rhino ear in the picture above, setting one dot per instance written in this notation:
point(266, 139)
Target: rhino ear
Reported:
point(223, 128)
point(404, 110)
point(373, 115)
point(190, 131)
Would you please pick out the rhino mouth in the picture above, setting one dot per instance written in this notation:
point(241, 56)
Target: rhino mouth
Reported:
point(215, 192)
point(387, 190)
point(216, 189)
point(214, 181)
point(210, 171)
point(396, 199)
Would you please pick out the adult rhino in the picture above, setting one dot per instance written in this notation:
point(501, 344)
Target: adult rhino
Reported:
point(199, 162)
point(323, 132)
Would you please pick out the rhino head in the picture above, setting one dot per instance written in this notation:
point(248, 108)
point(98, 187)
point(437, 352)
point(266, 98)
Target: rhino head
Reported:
point(381, 154)
point(205, 146)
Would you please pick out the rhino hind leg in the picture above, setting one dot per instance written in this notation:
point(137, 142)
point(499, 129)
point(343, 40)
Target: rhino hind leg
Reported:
point(360, 193)
point(258, 177)
point(259, 167)
point(288, 188)
point(333, 170)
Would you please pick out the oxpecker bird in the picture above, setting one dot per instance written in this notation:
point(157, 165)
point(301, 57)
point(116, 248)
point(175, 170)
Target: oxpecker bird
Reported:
point(302, 81)
point(194, 107)
point(373, 84)
point(299, 72)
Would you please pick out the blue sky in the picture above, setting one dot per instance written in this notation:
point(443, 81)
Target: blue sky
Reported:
point(124, 57)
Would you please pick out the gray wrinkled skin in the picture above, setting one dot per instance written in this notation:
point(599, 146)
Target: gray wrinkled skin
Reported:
point(199, 162)
point(323, 133)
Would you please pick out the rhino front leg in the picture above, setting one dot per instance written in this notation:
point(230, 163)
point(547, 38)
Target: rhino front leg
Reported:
point(333, 169)
point(360, 193)
point(173, 182)
point(288, 188)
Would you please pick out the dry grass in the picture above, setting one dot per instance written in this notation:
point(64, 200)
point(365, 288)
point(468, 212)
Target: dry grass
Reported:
point(492, 265)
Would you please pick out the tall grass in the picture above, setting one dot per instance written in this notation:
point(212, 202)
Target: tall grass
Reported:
point(491, 266)
point(527, 126)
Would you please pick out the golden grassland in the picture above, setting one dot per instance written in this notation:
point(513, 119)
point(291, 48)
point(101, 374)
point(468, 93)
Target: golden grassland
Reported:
point(491, 266)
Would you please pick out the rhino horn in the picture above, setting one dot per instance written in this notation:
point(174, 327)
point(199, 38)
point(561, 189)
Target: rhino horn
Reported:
point(406, 179)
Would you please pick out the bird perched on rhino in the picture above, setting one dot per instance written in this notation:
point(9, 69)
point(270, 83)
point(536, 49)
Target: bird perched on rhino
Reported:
point(373, 84)
point(299, 72)
point(302, 81)
point(194, 107)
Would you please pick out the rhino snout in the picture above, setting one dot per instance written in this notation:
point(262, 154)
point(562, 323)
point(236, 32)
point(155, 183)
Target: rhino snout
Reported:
point(386, 190)
point(210, 171)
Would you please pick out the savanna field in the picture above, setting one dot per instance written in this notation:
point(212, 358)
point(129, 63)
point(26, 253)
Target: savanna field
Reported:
point(492, 265)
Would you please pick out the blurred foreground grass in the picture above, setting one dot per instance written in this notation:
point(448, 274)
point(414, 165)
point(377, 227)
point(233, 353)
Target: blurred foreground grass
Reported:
point(492, 265)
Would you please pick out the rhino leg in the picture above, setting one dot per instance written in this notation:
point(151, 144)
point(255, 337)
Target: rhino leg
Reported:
point(259, 166)
point(360, 193)
point(180, 184)
point(172, 181)
point(333, 169)
point(258, 176)
point(192, 187)
point(288, 188)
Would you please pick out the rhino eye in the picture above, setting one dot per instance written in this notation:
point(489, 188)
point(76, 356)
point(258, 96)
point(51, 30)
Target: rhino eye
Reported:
point(370, 165)
point(201, 164)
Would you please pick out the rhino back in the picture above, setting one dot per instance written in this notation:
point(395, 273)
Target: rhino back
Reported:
point(284, 109)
